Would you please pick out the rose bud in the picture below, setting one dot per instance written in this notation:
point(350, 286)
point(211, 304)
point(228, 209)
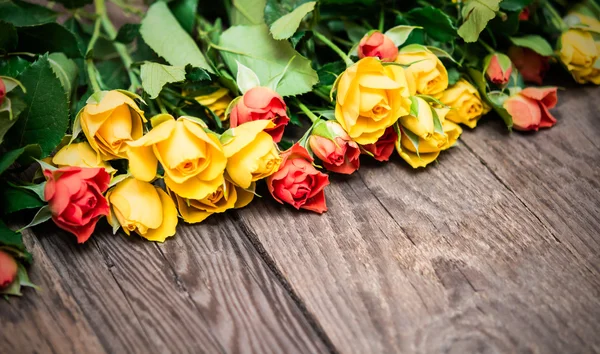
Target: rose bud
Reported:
point(261, 103)
point(529, 108)
point(74, 195)
point(524, 14)
point(109, 124)
point(466, 103)
point(143, 208)
point(2, 91)
point(579, 53)
point(531, 65)
point(217, 102)
point(8, 269)
point(332, 145)
point(298, 182)
point(383, 148)
point(377, 45)
point(498, 68)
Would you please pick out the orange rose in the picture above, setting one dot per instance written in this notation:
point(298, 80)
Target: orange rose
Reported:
point(377, 45)
point(529, 108)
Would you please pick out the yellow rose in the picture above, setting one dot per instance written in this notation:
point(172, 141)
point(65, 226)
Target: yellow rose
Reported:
point(193, 159)
point(217, 102)
point(251, 153)
point(426, 74)
point(370, 98)
point(581, 19)
point(579, 53)
point(80, 155)
point(227, 196)
point(109, 124)
point(429, 141)
point(142, 208)
point(467, 106)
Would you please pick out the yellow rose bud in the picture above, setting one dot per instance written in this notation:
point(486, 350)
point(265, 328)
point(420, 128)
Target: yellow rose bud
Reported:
point(111, 123)
point(251, 153)
point(579, 53)
point(427, 141)
point(227, 196)
point(370, 98)
point(80, 155)
point(193, 159)
point(217, 102)
point(142, 208)
point(466, 103)
point(426, 74)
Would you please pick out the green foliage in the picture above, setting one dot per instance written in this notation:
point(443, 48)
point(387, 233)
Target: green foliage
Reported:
point(13, 66)
point(435, 22)
point(24, 154)
point(168, 39)
point(284, 17)
point(155, 76)
point(514, 5)
point(400, 34)
point(112, 74)
point(21, 13)
point(66, 70)
point(196, 74)
point(185, 13)
point(74, 4)
point(534, 42)
point(329, 72)
point(8, 37)
point(247, 12)
point(49, 37)
point(128, 32)
point(476, 15)
point(14, 199)
point(254, 47)
point(46, 117)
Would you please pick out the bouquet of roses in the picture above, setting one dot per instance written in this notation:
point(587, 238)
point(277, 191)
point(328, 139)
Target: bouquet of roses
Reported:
point(180, 114)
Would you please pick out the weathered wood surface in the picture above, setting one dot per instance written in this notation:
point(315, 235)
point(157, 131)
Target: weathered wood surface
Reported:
point(496, 249)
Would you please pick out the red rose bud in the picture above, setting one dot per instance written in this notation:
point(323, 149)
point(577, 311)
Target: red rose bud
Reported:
point(531, 65)
point(529, 108)
point(524, 14)
point(332, 145)
point(74, 195)
point(2, 91)
point(377, 45)
point(261, 103)
point(8, 269)
point(498, 68)
point(383, 148)
point(298, 182)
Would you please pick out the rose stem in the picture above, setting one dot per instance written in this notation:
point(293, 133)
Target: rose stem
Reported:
point(558, 21)
point(486, 46)
point(313, 118)
point(334, 47)
point(91, 69)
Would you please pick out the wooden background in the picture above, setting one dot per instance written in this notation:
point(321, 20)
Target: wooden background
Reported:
point(495, 249)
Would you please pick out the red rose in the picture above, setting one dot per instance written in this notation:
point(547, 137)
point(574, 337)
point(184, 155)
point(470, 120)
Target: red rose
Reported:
point(530, 64)
point(74, 195)
point(298, 182)
point(8, 269)
point(498, 68)
point(377, 45)
point(529, 108)
point(261, 103)
point(2, 91)
point(383, 148)
point(332, 145)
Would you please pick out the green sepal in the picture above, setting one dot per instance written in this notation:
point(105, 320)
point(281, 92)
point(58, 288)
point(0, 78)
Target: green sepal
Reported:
point(10, 84)
point(437, 123)
point(196, 120)
point(414, 106)
point(414, 139)
point(95, 98)
point(43, 215)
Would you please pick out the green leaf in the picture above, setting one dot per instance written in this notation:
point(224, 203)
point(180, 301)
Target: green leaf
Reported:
point(414, 106)
point(161, 31)
point(534, 42)
point(10, 157)
point(329, 72)
point(38, 188)
point(254, 47)
point(514, 5)
point(196, 74)
point(74, 4)
point(399, 34)
point(46, 117)
point(43, 215)
point(113, 74)
point(6, 118)
point(185, 13)
point(479, 80)
point(247, 12)
point(286, 25)
point(435, 22)
point(453, 76)
point(297, 37)
point(476, 15)
point(246, 78)
point(24, 278)
point(440, 53)
point(127, 33)
point(66, 70)
point(49, 37)
point(155, 76)
point(8, 37)
point(10, 238)
point(13, 66)
point(16, 199)
point(414, 139)
point(21, 13)
point(437, 124)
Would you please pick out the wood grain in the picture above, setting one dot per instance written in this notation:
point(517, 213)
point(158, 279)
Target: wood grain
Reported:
point(443, 260)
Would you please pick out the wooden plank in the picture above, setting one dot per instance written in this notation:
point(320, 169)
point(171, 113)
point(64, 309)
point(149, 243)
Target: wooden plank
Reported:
point(446, 259)
point(49, 321)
